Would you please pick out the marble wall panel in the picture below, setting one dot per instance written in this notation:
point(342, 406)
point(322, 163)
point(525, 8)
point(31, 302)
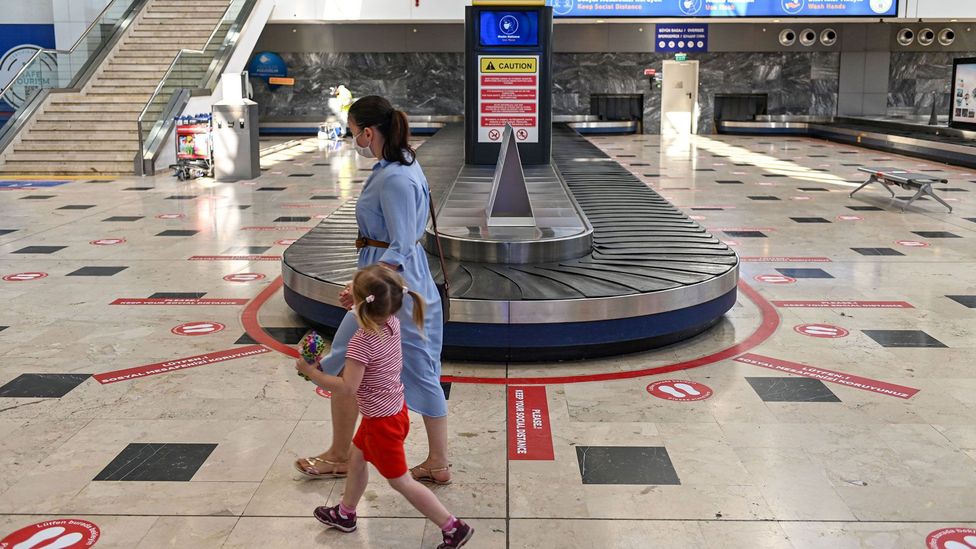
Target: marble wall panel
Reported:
point(917, 79)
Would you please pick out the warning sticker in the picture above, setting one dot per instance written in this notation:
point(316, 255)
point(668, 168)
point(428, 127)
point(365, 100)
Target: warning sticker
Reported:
point(508, 93)
point(493, 65)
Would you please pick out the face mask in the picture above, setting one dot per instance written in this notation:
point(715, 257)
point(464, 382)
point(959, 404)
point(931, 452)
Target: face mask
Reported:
point(365, 152)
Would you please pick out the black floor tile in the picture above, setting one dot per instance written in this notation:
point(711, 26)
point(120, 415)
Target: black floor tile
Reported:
point(864, 208)
point(652, 175)
point(907, 197)
point(643, 465)
point(964, 300)
point(708, 209)
point(791, 389)
point(903, 338)
point(244, 207)
point(814, 189)
point(810, 220)
point(973, 219)
point(446, 387)
point(849, 152)
point(124, 218)
point(97, 271)
point(704, 170)
point(157, 462)
point(292, 219)
point(77, 207)
point(877, 251)
point(39, 250)
point(38, 197)
point(729, 182)
point(246, 250)
point(817, 156)
point(935, 234)
point(321, 164)
point(177, 295)
point(774, 175)
point(181, 197)
point(7, 231)
point(2, 328)
point(324, 197)
point(271, 188)
point(767, 197)
point(137, 189)
point(42, 385)
point(745, 234)
point(100, 181)
point(301, 174)
point(290, 335)
point(954, 190)
point(177, 232)
point(805, 273)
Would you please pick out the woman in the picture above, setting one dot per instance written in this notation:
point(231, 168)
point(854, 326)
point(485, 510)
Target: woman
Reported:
point(392, 214)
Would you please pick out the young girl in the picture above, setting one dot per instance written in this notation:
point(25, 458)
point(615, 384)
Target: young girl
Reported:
point(372, 373)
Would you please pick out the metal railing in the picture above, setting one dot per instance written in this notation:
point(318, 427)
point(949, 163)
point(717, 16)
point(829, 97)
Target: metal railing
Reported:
point(52, 70)
point(192, 72)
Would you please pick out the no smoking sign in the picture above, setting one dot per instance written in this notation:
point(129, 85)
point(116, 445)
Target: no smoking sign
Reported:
point(494, 135)
point(522, 135)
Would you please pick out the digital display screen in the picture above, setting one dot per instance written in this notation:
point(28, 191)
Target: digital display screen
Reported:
point(723, 8)
point(509, 28)
point(964, 92)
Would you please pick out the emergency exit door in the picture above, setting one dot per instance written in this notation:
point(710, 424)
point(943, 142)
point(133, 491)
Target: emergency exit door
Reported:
point(679, 98)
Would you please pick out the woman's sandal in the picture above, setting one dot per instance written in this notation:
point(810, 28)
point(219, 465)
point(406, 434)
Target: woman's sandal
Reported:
point(309, 469)
point(426, 475)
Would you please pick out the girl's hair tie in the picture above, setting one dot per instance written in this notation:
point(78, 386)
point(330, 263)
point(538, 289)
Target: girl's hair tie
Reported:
point(405, 290)
point(370, 298)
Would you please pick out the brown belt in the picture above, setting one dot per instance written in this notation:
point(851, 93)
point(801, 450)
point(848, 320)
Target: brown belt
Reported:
point(362, 242)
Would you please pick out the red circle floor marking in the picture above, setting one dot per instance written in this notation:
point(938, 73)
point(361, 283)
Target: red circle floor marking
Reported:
point(769, 315)
point(24, 277)
point(324, 393)
point(912, 243)
point(682, 390)
point(170, 216)
point(952, 538)
point(850, 218)
point(820, 330)
point(244, 277)
point(286, 242)
point(61, 533)
point(775, 279)
point(198, 328)
point(107, 241)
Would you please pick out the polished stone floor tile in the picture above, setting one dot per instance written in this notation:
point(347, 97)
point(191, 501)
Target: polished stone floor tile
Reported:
point(157, 462)
point(877, 251)
point(791, 389)
point(936, 234)
point(124, 218)
point(289, 335)
point(765, 197)
point(42, 385)
point(292, 219)
point(865, 208)
point(903, 338)
point(39, 250)
point(177, 295)
point(77, 207)
point(964, 300)
point(804, 273)
point(182, 197)
point(810, 220)
point(7, 231)
point(625, 465)
point(97, 271)
point(38, 197)
point(177, 232)
point(745, 234)
point(246, 250)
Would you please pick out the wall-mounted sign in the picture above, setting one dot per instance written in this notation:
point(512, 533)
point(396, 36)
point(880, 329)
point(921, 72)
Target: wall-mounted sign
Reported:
point(681, 38)
point(267, 66)
point(18, 44)
point(724, 8)
point(508, 93)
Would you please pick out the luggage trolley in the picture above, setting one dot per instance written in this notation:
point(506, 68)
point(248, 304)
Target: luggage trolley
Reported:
point(194, 147)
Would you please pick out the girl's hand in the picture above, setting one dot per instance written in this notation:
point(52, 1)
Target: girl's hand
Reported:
point(345, 297)
point(304, 368)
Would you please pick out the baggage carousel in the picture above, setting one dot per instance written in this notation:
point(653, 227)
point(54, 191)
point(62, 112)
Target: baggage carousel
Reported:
point(648, 275)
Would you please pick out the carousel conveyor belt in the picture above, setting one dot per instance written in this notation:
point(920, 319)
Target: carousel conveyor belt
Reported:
point(652, 277)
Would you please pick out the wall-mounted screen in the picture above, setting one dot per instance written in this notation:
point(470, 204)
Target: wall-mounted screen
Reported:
point(724, 8)
point(509, 28)
point(963, 110)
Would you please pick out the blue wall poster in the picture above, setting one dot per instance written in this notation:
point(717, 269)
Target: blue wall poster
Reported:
point(724, 8)
point(18, 43)
point(681, 38)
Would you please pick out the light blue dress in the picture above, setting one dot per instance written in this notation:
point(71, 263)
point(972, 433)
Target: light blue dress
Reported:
point(393, 208)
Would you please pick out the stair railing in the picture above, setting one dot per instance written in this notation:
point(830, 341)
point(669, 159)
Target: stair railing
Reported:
point(184, 79)
point(63, 71)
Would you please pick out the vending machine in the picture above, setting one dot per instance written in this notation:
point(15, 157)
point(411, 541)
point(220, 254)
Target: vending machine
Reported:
point(508, 81)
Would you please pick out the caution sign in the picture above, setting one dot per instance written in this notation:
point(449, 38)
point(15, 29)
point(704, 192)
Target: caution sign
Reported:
point(508, 93)
point(509, 65)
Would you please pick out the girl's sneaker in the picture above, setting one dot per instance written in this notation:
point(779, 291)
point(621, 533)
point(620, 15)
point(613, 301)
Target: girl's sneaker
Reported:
point(330, 516)
point(456, 537)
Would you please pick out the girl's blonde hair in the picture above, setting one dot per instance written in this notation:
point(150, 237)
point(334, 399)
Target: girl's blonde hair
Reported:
point(379, 293)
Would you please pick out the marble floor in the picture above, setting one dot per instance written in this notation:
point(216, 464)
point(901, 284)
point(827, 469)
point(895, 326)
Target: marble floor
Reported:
point(135, 409)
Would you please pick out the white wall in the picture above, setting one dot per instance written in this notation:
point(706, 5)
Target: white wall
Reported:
point(368, 10)
point(941, 9)
point(13, 12)
point(72, 17)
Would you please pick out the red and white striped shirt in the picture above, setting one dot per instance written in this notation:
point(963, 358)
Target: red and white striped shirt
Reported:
point(380, 394)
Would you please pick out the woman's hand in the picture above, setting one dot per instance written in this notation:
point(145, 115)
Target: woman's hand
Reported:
point(345, 297)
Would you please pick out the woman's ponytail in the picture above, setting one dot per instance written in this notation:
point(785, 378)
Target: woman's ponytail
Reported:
point(418, 309)
point(397, 144)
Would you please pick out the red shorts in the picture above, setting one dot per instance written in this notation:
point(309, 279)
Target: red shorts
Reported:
point(381, 441)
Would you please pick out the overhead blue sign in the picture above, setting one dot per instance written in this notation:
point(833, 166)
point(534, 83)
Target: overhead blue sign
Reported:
point(681, 38)
point(724, 8)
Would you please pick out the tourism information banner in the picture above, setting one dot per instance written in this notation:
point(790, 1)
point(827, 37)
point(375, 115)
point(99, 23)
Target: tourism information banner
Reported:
point(724, 8)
